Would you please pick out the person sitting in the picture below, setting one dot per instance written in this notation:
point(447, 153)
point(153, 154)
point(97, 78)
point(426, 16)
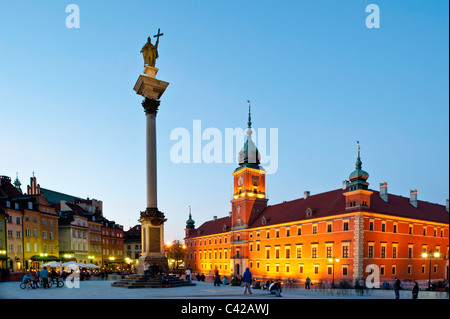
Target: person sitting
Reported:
point(165, 281)
point(275, 288)
point(26, 280)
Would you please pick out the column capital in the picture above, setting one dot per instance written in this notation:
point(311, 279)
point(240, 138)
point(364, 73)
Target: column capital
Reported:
point(150, 106)
point(156, 217)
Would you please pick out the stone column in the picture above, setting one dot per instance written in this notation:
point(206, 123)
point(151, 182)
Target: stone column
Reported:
point(151, 219)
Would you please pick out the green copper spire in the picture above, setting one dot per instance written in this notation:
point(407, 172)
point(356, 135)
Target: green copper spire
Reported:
point(358, 177)
point(190, 223)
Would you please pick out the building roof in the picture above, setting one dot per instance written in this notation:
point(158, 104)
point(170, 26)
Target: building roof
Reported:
point(220, 225)
point(56, 197)
point(329, 204)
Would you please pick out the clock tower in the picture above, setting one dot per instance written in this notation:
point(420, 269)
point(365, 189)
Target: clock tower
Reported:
point(249, 199)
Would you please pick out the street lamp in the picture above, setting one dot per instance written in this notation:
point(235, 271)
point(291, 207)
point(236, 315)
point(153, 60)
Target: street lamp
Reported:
point(430, 254)
point(333, 260)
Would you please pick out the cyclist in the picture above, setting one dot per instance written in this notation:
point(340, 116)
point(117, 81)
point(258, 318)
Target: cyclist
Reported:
point(26, 280)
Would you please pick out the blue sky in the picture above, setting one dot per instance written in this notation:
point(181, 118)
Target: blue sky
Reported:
point(312, 69)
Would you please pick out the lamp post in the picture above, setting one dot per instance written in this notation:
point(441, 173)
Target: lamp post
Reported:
point(429, 255)
point(333, 260)
point(3, 256)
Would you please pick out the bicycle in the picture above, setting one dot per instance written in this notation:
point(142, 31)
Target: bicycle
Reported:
point(40, 283)
point(26, 285)
point(57, 282)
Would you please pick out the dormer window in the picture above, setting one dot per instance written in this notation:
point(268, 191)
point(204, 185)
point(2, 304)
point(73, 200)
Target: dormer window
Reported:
point(309, 212)
point(264, 220)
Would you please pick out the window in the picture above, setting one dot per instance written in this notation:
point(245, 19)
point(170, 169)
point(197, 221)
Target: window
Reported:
point(371, 225)
point(382, 270)
point(288, 232)
point(329, 249)
point(370, 251)
point(277, 233)
point(345, 225)
point(383, 226)
point(410, 229)
point(314, 229)
point(299, 251)
point(18, 220)
point(267, 252)
point(383, 251)
point(329, 269)
point(394, 230)
point(394, 269)
point(394, 251)
point(316, 269)
point(410, 251)
point(409, 269)
point(300, 269)
point(345, 251)
point(314, 252)
point(288, 252)
point(299, 231)
point(329, 227)
point(277, 252)
point(345, 270)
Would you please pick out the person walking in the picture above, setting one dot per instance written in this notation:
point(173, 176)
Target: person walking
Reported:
point(146, 269)
point(308, 283)
point(44, 276)
point(188, 275)
point(415, 290)
point(217, 279)
point(247, 280)
point(397, 286)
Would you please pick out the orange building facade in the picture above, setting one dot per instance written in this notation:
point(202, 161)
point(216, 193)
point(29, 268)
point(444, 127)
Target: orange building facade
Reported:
point(340, 235)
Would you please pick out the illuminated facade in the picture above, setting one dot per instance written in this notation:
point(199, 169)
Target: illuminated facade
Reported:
point(335, 234)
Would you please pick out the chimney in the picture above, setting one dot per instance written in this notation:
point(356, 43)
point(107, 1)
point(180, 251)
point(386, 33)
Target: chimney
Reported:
point(214, 217)
point(413, 197)
point(345, 185)
point(383, 191)
point(306, 194)
point(446, 205)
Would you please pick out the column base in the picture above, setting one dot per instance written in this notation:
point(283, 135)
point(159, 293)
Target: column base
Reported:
point(158, 261)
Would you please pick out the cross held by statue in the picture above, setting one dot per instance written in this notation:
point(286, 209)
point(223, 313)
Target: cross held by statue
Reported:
point(158, 35)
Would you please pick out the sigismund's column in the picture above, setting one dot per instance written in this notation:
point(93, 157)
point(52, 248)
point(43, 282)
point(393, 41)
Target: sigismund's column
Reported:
point(151, 219)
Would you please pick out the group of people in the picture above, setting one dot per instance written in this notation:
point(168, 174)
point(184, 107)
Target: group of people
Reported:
point(30, 279)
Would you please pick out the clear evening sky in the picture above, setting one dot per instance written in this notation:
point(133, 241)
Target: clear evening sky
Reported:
point(312, 69)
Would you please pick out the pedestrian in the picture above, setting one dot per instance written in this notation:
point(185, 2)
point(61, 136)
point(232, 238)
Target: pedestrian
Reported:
point(247, 280)
point(188, 275)
point(217, 278)
point(224, 280)
point(361, 286)
point(275, 288)
point(397, 286)
point(146, 269)
point(308, 283)
point(415, 290)
point(44, 276)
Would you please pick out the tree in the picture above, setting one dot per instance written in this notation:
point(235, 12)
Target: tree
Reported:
point(177, 252)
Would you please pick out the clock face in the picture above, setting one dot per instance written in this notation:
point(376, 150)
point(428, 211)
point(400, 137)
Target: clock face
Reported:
point(240, 181)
